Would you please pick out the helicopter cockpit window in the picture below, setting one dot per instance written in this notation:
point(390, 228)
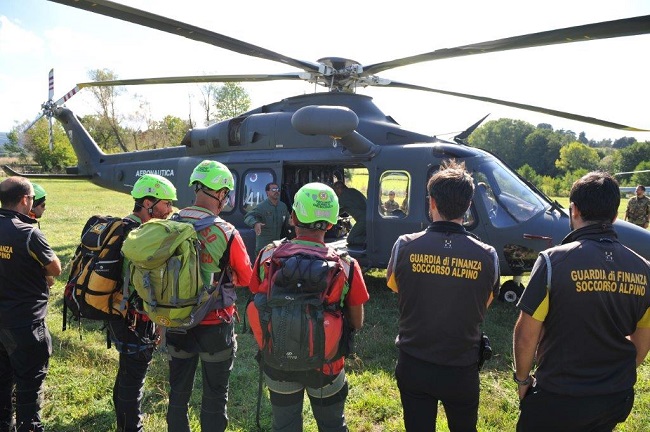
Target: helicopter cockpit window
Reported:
point(394, 194)
point(232, 197)
point(506, 199)
point(255, 182)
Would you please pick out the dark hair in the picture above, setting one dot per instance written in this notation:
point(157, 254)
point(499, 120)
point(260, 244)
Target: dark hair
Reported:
point(597, 196)
point(268, 186)
point(452, 188)
point(13, 189)
point(641, 187)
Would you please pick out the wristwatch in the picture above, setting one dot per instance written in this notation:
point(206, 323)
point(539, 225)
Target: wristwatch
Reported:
point(527, 381)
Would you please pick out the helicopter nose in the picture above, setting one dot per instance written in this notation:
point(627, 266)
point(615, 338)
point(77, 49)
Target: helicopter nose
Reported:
point(634, 237)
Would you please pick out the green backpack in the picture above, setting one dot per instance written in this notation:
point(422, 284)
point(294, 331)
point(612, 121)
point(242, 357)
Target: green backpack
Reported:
point(164, 269)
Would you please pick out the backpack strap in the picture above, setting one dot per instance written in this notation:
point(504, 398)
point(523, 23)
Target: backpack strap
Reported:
point(223, 261)
point(549, 270)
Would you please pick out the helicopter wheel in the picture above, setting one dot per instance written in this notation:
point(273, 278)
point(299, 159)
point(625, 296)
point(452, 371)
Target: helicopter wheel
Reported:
point(511, 291)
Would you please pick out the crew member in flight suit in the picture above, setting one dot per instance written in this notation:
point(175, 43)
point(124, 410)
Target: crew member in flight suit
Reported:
point(445, 278)
point(585, 320)
point(353, 202)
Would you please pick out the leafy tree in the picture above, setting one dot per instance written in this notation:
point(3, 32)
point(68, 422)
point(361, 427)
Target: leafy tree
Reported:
point(527, 172)
point(231, 100)
point(541, 150)
point(13, 146)
point(623, 142)
point(174, 129)
point(632, 155)
point(583, 138)
point(577, 156)
point(505, 138)
point(642, 178)
point(106, 97)
point(37, 143)
point(101, 131)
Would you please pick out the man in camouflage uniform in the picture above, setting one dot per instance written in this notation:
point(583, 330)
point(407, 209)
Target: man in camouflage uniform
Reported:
point(638, 208)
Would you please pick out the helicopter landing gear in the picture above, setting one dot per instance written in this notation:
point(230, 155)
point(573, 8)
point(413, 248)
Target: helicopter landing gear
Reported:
point(511, 290)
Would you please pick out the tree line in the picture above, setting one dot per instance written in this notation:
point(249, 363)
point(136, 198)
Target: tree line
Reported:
point(553, 159)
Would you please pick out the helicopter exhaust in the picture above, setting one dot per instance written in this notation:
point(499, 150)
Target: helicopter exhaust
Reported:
point(337, 122)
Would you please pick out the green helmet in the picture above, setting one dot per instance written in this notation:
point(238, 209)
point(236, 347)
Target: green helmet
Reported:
point(39, 195)
point(39, 192)
point(213, 175)
point(316, 202)
point(155, 186)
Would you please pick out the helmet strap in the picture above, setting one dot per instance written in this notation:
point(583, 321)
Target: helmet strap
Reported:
point(150, 209)
point(219, 200)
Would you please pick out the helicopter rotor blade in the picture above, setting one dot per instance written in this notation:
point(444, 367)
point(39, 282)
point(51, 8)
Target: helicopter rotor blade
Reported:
point(50, 78)
point(38, 117)
point(603, 30)
point(147, 19)
point(556, 113)
point(69, 94)
point(194, 79)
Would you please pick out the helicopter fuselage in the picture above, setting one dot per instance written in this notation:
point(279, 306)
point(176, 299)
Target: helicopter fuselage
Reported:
point(323, 136)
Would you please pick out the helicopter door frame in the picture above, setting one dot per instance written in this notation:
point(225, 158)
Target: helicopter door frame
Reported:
point(251, 180)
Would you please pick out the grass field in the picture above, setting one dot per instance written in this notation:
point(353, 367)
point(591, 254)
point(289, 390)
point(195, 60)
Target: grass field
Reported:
point(79, 385)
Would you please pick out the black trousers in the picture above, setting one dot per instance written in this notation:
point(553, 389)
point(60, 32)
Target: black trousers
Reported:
point(422, 385)
point(24, 362)
point(542, 411)
point(215, 346)
point(136, 348)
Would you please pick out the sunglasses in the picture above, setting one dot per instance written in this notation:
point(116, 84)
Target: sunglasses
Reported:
point(274, 189)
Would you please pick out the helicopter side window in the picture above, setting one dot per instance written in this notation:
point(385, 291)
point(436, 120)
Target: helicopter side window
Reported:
point(255, 182)
point(232, 197)
point(393, 194)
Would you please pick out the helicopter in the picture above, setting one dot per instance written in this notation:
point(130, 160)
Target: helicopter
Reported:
point(324, 135)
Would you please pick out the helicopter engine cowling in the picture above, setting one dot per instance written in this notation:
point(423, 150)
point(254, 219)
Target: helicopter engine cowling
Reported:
point(335, 121)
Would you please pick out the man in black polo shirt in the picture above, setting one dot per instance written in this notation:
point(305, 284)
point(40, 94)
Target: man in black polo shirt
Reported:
point(445, 279)
point(585, 319)
point(26, 261)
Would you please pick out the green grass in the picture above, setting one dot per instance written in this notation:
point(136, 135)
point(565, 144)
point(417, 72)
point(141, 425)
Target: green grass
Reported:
point(82, 369)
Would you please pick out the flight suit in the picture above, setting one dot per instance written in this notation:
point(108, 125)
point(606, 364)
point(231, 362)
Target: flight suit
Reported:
point(352, 202)
point(274, 218)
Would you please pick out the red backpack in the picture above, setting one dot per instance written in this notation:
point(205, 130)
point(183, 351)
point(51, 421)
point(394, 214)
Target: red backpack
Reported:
point(298, 321)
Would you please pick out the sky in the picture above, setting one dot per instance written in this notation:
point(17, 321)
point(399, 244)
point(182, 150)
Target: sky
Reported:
point(603, 79)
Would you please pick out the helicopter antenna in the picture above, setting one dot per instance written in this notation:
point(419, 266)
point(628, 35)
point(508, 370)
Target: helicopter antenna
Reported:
point(461, 138)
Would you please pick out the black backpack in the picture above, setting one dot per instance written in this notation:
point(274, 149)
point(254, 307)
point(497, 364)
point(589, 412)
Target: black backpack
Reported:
point(94, 287)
